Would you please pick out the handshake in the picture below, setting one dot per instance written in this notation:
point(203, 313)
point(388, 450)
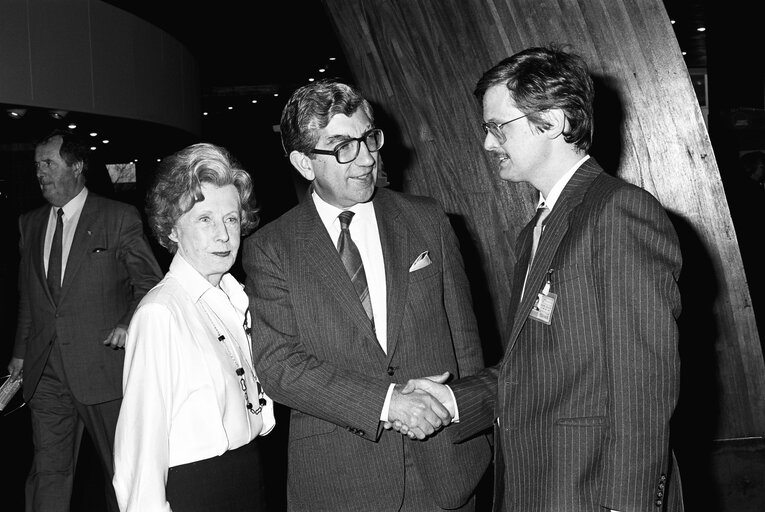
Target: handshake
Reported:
point(421, 407)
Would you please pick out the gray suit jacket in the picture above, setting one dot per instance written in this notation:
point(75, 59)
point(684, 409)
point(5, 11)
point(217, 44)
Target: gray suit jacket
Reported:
point(583, 405)
point(315, 351)
point(109, 269)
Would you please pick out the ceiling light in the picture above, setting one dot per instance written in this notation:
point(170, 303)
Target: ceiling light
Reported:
point(58, 114)
point(105, 141)
point(310, 79)
point(331, 58)
point(231, 108)
point(93, 134)
point(16, 113)
point(672, 21)
point(71, 126)
point(701, 29)
point(322, 70)
point(204, 113)
point(92, 148)
point(254, 101)
point(276, 94)
point(683, 53)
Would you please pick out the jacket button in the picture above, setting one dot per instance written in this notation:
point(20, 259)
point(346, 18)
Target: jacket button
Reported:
point(391, 370)
point(658, 503)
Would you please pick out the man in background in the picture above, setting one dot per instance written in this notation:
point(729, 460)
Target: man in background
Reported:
point(85, 264)
point(354, 290)
point(582, 399)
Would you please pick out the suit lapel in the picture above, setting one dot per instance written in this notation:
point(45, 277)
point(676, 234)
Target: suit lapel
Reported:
point(317, 250)
point(38, 227)
point(394, 238)
point(80, 244)
point(556, 226)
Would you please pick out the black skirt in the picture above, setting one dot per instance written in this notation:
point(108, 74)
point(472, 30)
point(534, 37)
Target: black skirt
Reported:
point(232, 481)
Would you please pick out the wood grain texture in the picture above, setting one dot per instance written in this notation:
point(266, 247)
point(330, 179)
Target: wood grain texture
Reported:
point(418, 62)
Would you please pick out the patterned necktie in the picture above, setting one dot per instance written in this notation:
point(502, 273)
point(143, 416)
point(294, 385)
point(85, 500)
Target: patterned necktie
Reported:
point(539, 218)
point(349, 253)
point(54, 260)
point(541, 215)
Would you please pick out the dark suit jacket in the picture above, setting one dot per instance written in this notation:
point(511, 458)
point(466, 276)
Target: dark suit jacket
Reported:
point(109, 269)
point(315, 351)
point(584, 404)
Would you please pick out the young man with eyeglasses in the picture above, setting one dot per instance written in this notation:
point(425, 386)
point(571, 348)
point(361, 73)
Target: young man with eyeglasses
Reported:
point(582, 399)
point(353, 292)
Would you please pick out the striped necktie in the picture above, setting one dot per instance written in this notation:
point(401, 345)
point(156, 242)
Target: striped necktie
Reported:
point(351, 258)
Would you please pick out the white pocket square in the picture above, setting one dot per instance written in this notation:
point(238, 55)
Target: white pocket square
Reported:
point(422, 261)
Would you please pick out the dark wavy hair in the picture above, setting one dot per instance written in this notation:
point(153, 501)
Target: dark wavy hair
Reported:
point(73, 148)
point(542, 78)
point(310, 109)
point(177, 188)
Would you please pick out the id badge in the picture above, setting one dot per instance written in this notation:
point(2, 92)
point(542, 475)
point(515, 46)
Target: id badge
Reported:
point(543, 308)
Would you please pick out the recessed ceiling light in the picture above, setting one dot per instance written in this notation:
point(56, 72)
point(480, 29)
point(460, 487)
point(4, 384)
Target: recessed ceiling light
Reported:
point(683, 53)
point(71, 126)
point(311, 79)
point(231, 108)
point(159, 159)
point(701, 29)
point(93, 134)
point(254, 101)
point(92, 148)
point(672, 21)
point(105, 141)
point(322, 70)
point(332, 58)
point(204, 113)
point(276, 94)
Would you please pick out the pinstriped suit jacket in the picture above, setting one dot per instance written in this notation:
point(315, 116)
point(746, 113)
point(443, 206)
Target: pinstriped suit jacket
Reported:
point(109, 270)
point(315, 351)
point(583, 405)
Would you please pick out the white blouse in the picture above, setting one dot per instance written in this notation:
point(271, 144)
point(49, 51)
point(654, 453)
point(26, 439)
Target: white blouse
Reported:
point(183, 401)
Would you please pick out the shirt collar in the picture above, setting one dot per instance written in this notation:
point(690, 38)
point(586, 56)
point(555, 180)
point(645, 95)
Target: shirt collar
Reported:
point(196, 285)
point(555, 191)
point(75, 204)
point(363, 212)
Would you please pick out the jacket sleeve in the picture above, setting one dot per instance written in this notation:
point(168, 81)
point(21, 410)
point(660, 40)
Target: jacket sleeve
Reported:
point(636, 264)
point(290, 374)
point(137, 257)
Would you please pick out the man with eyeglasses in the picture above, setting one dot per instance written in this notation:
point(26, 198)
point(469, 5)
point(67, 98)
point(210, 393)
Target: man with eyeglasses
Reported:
point(582, 399)
point(353, 292)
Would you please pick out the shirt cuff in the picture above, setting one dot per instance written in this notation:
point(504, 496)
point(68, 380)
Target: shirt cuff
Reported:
point(386, 404)
point(456, 418)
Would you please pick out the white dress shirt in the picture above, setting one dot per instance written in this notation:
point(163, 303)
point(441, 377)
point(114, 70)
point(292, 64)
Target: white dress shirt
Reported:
point(366, 236)
point(182, 398)
point(72, 211)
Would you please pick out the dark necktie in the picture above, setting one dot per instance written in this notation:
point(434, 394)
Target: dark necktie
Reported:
point(54, 260)
point(349, 253)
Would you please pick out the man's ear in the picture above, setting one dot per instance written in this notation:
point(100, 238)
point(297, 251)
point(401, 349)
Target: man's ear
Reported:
point(77, 169)
point(555, 122)
point(303, 164)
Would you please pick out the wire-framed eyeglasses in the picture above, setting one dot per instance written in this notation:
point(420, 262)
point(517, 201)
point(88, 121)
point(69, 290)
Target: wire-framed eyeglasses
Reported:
point(348, 150)
point(496, 129)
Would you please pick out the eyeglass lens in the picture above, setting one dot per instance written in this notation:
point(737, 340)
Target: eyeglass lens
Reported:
point(348, 151)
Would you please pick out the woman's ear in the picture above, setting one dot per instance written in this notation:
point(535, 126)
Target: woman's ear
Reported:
point(303, 164)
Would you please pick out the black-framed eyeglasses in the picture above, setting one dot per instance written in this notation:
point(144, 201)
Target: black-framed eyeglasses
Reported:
point(348, 150)
point(496, 129)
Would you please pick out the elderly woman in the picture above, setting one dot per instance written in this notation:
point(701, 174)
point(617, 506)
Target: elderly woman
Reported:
point(193, 407)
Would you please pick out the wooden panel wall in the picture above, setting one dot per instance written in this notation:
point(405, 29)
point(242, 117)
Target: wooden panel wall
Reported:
point(418, 61)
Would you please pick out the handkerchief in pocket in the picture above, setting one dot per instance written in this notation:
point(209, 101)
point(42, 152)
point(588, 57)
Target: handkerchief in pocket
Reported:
point(422, 261)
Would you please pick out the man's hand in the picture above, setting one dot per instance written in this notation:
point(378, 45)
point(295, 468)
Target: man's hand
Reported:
point(419, 411)
point(416, 386)
point(16, 368)
point(116, 338)
point(433, 385)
